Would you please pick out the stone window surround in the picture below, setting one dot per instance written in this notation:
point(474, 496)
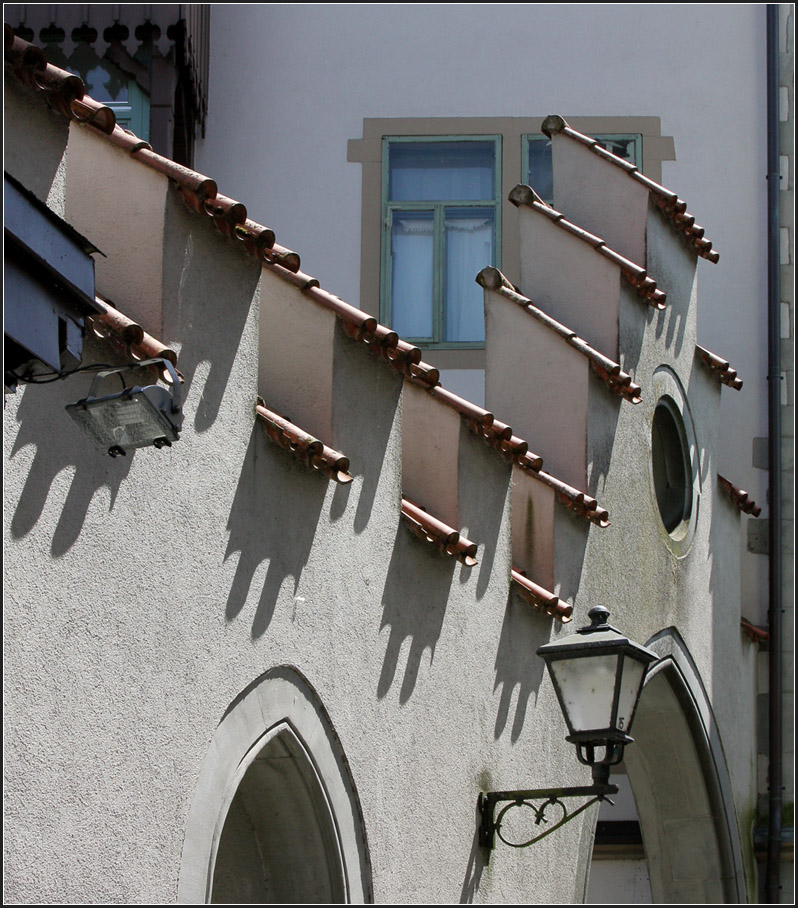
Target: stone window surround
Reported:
point(367, 151)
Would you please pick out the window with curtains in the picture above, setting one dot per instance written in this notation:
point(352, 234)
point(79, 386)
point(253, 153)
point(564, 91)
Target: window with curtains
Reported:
point(441, 224)
point(537, 159)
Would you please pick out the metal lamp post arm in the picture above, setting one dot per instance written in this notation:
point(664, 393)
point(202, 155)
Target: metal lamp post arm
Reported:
point(490, 824)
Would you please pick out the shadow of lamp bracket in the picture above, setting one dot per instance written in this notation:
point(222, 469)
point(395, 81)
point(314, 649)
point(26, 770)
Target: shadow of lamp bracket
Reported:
point(135, 417)
point(597, 675)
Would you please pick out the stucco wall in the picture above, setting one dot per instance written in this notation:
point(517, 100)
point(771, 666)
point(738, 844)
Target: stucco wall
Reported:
point(145, 593)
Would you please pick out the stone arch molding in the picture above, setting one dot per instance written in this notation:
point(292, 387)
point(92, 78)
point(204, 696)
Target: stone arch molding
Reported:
point(276, 740)
point(681, 785)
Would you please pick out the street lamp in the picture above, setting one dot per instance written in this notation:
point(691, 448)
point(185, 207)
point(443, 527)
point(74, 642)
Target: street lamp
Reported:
point(598, 676)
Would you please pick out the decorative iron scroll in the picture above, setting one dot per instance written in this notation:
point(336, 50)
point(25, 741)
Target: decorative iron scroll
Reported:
point(551, 798)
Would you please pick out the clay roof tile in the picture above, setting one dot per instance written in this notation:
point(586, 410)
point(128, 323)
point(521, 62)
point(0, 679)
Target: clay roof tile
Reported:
point(313, 454)
point(674, 208)
point(445, 538)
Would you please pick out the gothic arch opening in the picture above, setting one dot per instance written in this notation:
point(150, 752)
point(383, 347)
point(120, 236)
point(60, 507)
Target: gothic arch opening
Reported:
point(275, 815)
point(682, 796)
point(279, 842)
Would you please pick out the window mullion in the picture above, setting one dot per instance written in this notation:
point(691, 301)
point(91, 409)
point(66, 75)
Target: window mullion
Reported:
point(439, 273)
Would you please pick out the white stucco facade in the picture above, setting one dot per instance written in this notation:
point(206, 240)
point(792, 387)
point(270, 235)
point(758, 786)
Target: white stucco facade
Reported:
point(194, 633)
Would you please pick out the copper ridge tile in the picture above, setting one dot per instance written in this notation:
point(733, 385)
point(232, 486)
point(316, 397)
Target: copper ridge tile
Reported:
point(481, 422)
point(279, 255)
point(227, 214)
point(125, 140)
point(540, 598)
point(195, 188)
point(757, 634)
point(29, 64)
point(739, 497)
point(128, 337)
point(582, 504)
point(309, 451)
point(674, 208)
point(256, 238)
point(719, 368)
point(445, 539)
point(87, 110)
point(635, 275)
point(609, 372)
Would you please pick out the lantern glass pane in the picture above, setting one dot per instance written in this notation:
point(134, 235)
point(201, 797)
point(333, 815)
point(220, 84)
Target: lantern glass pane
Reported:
point(586, 686)
point(632, 673)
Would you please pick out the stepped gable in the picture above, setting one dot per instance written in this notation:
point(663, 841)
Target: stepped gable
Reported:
point(65, 93)
point(674, 208)
point(618, 381)
point(645, 287)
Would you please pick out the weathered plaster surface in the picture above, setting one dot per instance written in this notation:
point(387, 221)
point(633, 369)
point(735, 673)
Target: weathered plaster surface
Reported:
point(600, 198)
point(127, 227)
point(536, 381)
point(568, 279)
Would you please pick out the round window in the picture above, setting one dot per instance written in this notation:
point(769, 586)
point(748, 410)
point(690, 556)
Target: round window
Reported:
point(673, 480)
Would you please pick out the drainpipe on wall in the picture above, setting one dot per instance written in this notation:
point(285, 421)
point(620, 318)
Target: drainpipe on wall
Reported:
point(773, 864)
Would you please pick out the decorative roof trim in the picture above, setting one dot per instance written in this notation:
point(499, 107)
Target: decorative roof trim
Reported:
point(636, 275)
point(582, 504)
point(739, 497)
point(481, 422)
point(719, 368)
point(309, 451)
point(540, 598)
point(754, 633)
point(128, 337)
point(445, 538)
point(675, 209)
point(609, 372)
point(201, 195)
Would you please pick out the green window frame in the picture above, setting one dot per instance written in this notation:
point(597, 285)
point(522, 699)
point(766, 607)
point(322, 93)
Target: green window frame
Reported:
point(440, 214)
point(617, 143)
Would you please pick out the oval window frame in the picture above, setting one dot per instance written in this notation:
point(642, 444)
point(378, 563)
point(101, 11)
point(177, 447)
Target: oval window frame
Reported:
point(669, 398)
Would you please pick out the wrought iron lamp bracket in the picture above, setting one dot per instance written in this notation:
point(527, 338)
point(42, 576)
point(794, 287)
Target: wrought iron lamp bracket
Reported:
point(549, 798)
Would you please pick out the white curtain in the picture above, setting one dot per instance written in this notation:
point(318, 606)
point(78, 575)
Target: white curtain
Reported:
point(412, 273)
point(469, 248)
